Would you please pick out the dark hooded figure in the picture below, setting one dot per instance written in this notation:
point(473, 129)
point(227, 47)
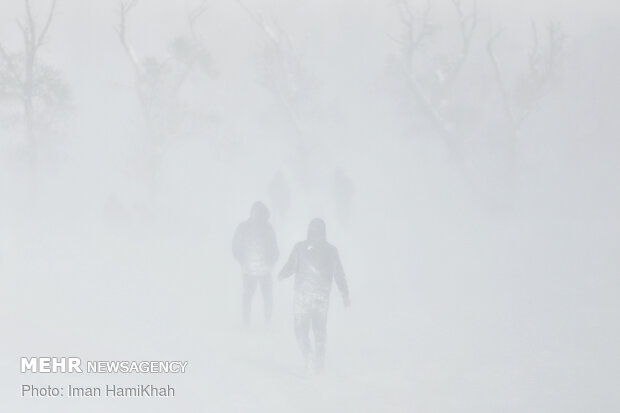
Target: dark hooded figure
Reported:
point(256, 250)
point(315, 263)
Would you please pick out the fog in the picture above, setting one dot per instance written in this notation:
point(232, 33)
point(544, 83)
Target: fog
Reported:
point(463, 156)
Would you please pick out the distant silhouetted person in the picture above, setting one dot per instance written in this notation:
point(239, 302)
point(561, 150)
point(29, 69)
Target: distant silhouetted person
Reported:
point(315, 263)
point(256, 250)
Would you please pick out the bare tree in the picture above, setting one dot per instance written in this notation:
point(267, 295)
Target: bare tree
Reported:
point(436, 83)
point(543, 61)
point(280, 63)
point(283, 75)
point(158, 80)
point(25, 78)
point(432, 84)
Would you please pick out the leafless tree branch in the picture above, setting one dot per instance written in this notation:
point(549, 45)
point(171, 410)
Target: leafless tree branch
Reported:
point(48, 22)
point(10, 66)
point(413, 36)
point(287, 60)
point(498, 75)
point(542, 64)
point(193, 15)
point(33, 83)
point(121, 29)
point(32, 29)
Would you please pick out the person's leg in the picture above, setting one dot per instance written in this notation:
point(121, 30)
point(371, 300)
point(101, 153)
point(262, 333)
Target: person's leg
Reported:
point(249, 286)
point(266, 289)
point(302, 326)
point(319, 330)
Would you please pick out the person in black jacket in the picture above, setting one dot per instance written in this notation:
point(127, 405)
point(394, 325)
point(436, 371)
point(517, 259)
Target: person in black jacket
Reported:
point(315, 263)
point(256, 250)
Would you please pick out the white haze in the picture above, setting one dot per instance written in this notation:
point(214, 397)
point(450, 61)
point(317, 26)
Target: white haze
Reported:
point(488, 289)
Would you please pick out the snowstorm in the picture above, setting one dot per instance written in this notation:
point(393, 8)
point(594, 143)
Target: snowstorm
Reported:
point(321, 206)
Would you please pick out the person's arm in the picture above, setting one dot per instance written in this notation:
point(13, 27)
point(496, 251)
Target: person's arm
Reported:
point(340, 278)
point(290, 267)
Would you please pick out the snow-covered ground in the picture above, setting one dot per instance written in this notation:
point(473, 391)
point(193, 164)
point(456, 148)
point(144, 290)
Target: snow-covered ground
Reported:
point(519, 320)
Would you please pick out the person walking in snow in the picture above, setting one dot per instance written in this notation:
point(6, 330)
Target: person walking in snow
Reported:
point(315, 263)
point(256, 250)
